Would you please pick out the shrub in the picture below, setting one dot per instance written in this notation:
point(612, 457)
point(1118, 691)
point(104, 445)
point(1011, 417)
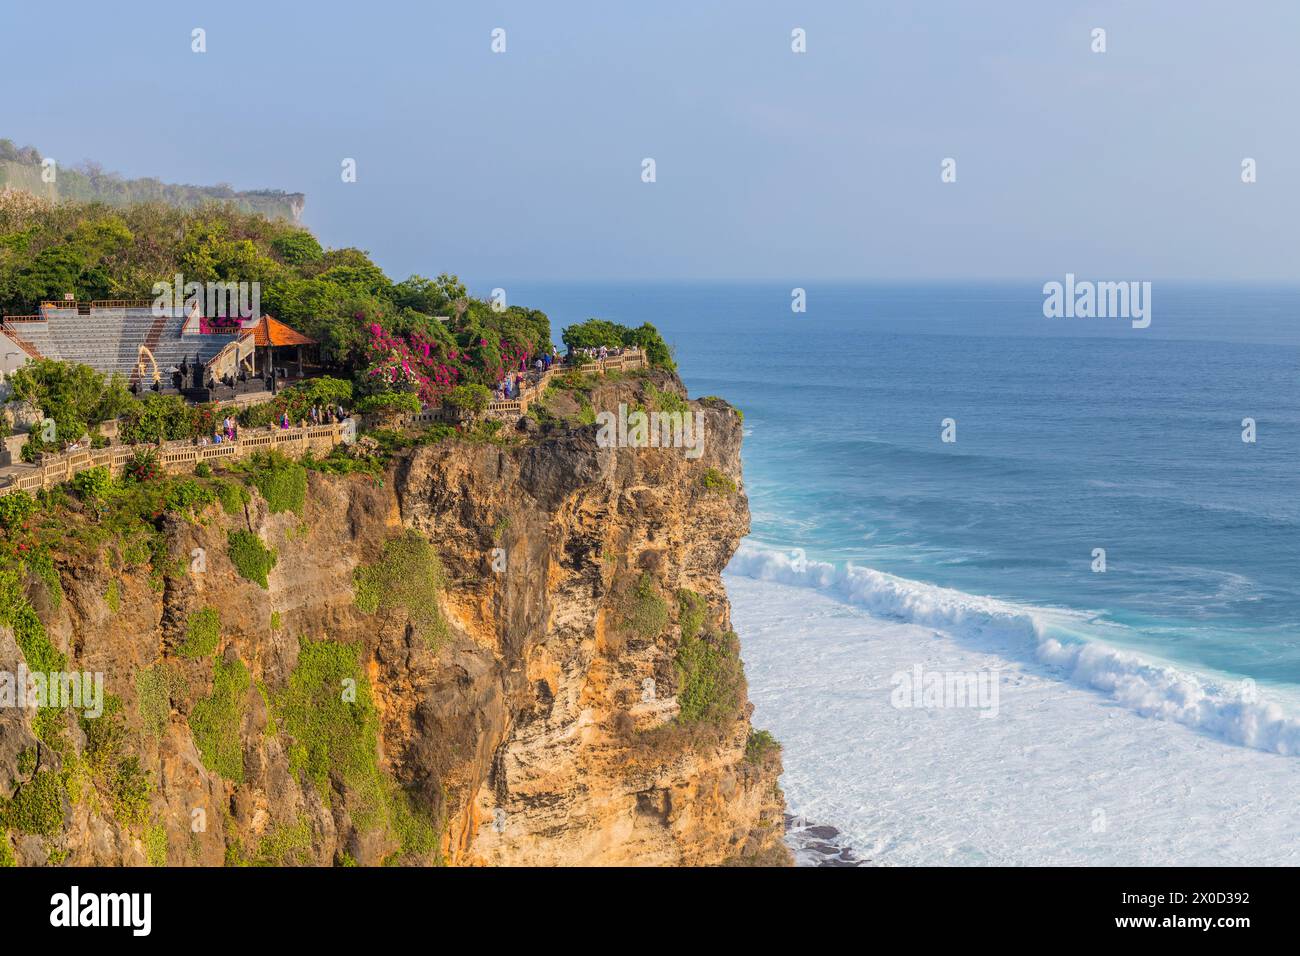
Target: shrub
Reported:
point(131, 789)
point(203, 470)
point(15, 508)
point(389, 404)
point(215, 721)
point(105, 735)
point(233, 497)
point(759, 745)
point(282, 482)
point(335, 738)
point(143, 465)
point(645, 611)
point(93, 484)
point(155, 843)
point(285, 845)
point(691, 612)
point(186, 494)
point(156, 418)
point(716, 482)
point(666, 401)
point(37, 806)
point(468, 400)
point(409, 576)
point(252, 559)
point(38, 651)
point(202, 635)
point(153, 698)
point(709, 674)
point(330, 733)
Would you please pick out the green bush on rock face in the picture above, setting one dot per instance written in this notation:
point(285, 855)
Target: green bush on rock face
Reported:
point(646, 612)
point(37, 806)
point(153, 698)
point(203, 634)
point(328, 713)
point(282, 482)
point(759, 745)
point(408, 576)
point(715, 482)
point(215, 721)
point(709, 675)
point(252, 559)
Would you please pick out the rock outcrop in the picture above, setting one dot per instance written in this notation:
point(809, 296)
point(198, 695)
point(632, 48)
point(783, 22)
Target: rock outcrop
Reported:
point(497, 652)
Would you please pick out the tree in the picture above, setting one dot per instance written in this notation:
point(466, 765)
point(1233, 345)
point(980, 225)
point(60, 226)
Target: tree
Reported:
point(297, 248)
point(468, 401)
point(74, 396)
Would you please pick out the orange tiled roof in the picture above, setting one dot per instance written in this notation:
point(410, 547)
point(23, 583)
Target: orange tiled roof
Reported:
point(274, 332)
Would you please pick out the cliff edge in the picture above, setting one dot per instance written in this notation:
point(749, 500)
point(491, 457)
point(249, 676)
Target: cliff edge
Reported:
point(504, 651)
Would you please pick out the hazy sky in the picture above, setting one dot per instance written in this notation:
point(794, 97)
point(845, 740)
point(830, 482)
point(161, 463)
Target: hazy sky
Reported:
point(770, 164)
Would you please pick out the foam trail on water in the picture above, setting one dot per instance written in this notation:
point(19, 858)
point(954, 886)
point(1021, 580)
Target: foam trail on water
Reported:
point(1152, 689)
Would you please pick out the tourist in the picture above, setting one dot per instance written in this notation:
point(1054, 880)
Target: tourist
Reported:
point(284, 420)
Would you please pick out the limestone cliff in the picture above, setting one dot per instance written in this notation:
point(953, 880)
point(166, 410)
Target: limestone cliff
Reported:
point(496, 652)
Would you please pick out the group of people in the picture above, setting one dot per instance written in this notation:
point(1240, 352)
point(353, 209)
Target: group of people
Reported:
point(317, 415)
point(513, 383)
point(229, 431)
point(327, 415)
point(594, 353)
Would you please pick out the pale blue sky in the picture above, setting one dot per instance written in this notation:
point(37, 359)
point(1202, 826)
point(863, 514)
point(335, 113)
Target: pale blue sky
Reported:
point(770, 164)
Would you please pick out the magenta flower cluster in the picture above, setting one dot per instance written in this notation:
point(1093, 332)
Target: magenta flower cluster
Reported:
point(416, 363)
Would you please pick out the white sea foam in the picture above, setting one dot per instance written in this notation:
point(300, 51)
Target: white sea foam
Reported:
point(1063, 775)
point(1056, 638)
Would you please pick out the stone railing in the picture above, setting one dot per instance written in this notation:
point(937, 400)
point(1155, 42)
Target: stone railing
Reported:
point(631, 359)
point(180, 456)
point(512, 409)
point(518, 407)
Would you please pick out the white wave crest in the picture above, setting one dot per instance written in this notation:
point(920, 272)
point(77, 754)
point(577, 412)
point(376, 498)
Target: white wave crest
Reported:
point(1221, 707)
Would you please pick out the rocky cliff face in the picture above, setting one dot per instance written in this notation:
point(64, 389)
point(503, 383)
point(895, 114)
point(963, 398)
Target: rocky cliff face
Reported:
point(511, 652)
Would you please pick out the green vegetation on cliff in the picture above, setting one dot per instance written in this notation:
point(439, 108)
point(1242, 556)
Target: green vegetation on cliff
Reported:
point(216, 720)
point(328, 712)
point(645, 612)
point(281, 480)
point(252, 559)
point(710, 680)
point(202, 635)
point(408, 576)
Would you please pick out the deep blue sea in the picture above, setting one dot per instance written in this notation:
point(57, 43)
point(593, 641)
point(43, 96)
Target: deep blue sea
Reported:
point(1072, 435)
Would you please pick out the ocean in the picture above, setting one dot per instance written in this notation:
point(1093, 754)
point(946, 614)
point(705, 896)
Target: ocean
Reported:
point(1150, 707)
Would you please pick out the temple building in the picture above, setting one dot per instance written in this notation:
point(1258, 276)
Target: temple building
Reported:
point(161, 350)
